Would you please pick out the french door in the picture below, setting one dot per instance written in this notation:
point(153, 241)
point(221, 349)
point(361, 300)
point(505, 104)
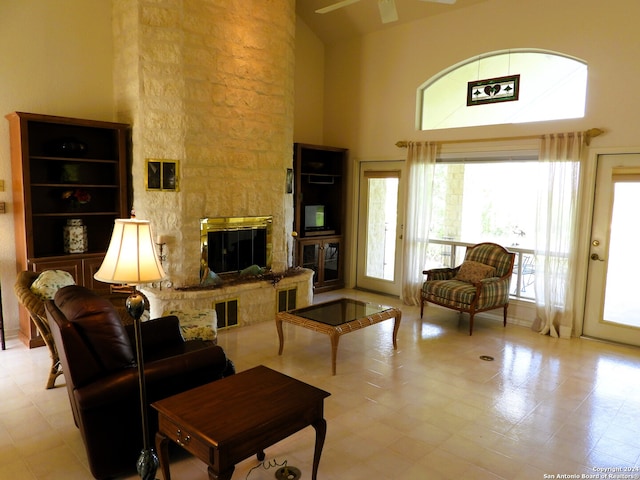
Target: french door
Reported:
point(612, 310)
point(380, 213)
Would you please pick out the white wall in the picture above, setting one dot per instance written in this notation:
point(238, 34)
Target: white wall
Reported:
point(56, 59)
point(309, 86)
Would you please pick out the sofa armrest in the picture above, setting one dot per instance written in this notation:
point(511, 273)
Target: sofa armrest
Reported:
point(109, 390)
point(163, 375)
point(188, 359)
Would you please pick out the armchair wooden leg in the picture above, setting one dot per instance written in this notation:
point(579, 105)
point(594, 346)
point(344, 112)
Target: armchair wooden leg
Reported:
point(421, 305)
point(471, 323)
point(505, 315)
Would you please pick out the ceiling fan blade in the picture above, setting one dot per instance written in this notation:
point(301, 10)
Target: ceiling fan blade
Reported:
point(388, 12)
point(336, 6)
point(448, 2)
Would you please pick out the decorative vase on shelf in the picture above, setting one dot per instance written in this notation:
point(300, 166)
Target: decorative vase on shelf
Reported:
point(75, 236)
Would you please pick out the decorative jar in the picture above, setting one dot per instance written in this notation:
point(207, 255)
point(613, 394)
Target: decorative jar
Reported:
point(75, 236)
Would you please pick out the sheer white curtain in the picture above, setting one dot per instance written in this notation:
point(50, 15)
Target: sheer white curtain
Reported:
point(556, 233)
point(421, 161)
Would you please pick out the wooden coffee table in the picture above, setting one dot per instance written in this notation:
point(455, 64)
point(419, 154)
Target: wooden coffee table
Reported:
point(338, 317)
point(229, 420)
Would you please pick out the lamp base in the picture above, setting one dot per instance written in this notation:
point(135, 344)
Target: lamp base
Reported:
point(147, 464)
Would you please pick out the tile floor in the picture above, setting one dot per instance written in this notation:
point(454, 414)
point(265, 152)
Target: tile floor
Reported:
point(543, 408)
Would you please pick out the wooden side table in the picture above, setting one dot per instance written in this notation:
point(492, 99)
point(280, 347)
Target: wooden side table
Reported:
point(227, 421)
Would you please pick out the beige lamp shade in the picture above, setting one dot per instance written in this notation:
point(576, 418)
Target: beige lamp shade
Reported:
point(131, 257)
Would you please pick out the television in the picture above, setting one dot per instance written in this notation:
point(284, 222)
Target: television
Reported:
point(314, 217)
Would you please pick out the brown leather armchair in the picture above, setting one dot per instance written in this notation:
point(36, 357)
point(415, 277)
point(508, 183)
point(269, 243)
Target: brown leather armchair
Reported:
point(35, 306)
point(98, 359)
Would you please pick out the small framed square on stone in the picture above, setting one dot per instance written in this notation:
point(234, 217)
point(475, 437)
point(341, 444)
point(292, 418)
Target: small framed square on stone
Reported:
point(162, 175)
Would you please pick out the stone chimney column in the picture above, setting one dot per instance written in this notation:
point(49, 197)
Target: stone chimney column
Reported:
point(208, 84)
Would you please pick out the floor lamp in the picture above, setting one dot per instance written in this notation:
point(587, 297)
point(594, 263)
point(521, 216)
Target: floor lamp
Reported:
point(131, 260)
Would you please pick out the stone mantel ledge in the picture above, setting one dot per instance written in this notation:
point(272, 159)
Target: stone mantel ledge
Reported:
point(257, 300)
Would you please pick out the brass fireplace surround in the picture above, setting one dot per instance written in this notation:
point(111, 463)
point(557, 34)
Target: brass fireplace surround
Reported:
point(227, 224)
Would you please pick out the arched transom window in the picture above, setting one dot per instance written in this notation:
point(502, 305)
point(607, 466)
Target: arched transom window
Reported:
point(512, 86)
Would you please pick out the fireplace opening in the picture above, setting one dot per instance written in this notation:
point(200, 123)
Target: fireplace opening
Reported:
point(231, 244)
point(236, 250)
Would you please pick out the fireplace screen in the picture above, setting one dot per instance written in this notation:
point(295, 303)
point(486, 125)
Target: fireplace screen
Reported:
point(231, 244)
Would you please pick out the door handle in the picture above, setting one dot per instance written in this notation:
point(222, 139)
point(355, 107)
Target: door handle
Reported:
point(595, 256)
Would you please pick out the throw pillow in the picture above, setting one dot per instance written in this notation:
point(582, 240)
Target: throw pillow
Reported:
point(196, 323)
point(473, 272)
point(49, 282)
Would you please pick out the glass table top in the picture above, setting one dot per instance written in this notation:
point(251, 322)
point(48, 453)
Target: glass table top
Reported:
point(338, 312)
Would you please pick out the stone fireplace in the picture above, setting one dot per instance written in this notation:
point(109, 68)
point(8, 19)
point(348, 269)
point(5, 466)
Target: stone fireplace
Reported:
point(208, 84)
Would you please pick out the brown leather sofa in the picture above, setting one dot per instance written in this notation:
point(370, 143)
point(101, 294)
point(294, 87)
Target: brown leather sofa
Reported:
point(97, 353)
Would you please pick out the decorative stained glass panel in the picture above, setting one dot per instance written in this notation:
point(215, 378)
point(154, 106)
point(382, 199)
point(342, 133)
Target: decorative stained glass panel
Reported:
point(501, 89)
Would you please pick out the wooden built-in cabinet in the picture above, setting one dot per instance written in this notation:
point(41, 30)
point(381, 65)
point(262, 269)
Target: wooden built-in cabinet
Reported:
point(50, 157)
point(323, 256)
point(319, 212)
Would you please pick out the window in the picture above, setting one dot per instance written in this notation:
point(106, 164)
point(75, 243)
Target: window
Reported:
point(480, 201)
point(487, 200)
point(552, 86)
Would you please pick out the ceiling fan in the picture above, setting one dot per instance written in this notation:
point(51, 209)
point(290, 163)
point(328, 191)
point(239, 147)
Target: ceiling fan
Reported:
point(388, 11)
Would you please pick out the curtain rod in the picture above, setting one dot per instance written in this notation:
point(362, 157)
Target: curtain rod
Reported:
point(589, 134)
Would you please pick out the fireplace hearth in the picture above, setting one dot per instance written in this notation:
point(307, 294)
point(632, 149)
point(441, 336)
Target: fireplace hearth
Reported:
point(256, 298)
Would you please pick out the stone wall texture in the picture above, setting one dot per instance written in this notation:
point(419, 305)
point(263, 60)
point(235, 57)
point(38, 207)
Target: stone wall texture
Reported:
point(209, 84)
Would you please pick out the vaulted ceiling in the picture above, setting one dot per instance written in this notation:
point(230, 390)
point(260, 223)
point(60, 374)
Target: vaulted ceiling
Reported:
point(363, 16)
